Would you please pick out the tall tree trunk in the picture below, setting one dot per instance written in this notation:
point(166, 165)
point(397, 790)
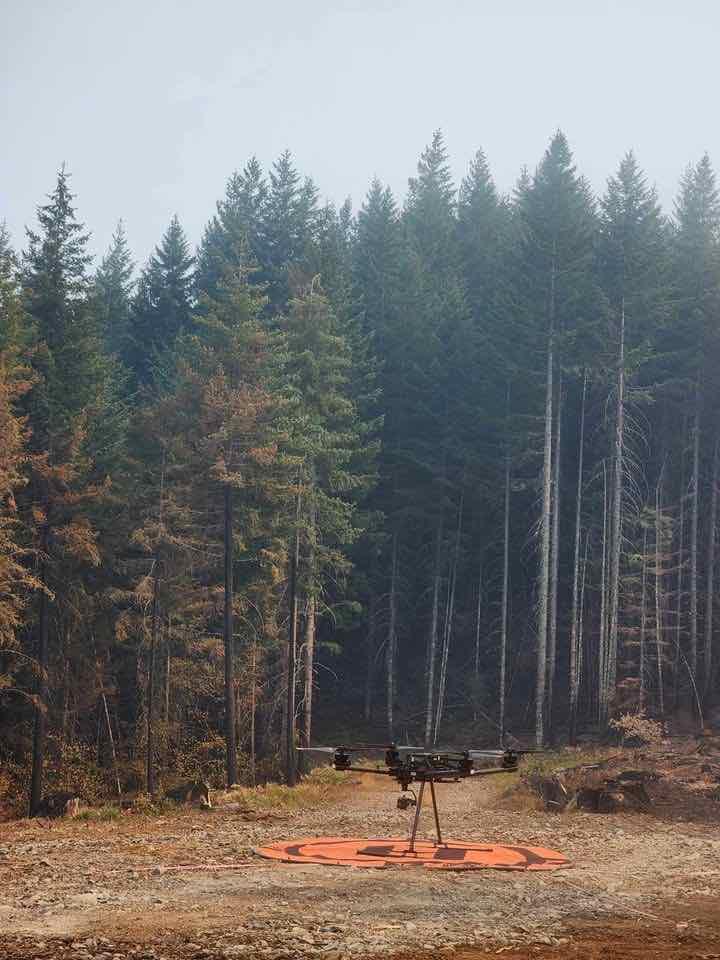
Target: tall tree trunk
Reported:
point(309, 670)
point(680, 565)
point(390, 642)
point(432, 638)
point(581, 623)
point(694, 513)
point(167, 681)
point(603, 632)
point(449, 617)
point(310, 623)
point(574, 672)
point(643, 619)
point(478, 621)
point(545, 531)
point(658, 593)
point(616, 517)
point(150, 778)
point(710, 574)
point(505, 599)
point(231, 767)
point(555, 564)
point(370, 662)
point(290, 761)
point(253, 709)
point(39, 731)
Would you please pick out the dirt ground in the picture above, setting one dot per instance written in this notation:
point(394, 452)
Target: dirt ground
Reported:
point(188, 885)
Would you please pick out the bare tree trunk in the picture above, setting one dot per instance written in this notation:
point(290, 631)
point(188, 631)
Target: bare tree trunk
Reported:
point(113, 751)
point(616, 516)
point(229, 643)
point(253, 709)
point(643, 620)
point(309, 670)
point(478, 620)
point(290, 761)
point(574, 672)
point(449, 617)
point(150, 777)
point(680, 565)
point(390, 642)
point(545, 532)
point(432, 638)
point(39, 731)
point(167, 679)
point(710, 574)
point(603, 639)
point(505, 588)
point(372, 617)
point(555, 560)
point(66, 701)
point(658, 592)
point(310, 619)
point(581, 624)
point(694, 513)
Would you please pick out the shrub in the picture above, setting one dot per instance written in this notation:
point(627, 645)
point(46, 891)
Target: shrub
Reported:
point(637, 726)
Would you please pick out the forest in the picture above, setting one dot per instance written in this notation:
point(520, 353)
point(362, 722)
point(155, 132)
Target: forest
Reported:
point(441, 468)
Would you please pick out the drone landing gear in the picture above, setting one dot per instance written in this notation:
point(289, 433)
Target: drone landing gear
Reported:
point(418, 809)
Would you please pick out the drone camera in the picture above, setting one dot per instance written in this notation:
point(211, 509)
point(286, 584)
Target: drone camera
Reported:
point(404, 803)
point(341, 760)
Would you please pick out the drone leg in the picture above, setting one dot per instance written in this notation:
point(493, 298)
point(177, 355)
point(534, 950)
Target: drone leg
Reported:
point(416, 821)
point(435, 811)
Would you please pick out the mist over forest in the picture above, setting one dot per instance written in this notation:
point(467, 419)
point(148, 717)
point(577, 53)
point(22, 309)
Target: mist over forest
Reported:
point(442, 469)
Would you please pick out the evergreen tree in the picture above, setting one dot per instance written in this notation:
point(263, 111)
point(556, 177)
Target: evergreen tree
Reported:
point(553, 270)
point(62, 405)
point(235, 233)
point(114, 291)
point(289, 228)
point(162, 306)
point(693, 347)
point(16, 580)
point(633, 262)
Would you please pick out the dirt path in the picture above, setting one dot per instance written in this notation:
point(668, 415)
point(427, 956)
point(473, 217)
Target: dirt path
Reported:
point(104, 890)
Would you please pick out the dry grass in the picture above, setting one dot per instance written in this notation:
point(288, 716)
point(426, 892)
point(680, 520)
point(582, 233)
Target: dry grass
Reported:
point(321, 786)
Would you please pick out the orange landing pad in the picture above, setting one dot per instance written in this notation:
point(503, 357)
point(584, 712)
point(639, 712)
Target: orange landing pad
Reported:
point(453, 855)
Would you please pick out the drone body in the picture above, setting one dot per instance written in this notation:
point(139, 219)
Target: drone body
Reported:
point(408, 765)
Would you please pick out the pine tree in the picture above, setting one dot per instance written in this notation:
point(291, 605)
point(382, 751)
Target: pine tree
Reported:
point(332, 441)
point(114, 287)
point(162, 306)
point(556, 222)
point(62, 406)
point(632, 262)
point(16, 580)
point(235, 233)
point(695, 344)
point(289, 228)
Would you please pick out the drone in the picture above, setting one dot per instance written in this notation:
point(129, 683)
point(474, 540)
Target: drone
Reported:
point(408, 765)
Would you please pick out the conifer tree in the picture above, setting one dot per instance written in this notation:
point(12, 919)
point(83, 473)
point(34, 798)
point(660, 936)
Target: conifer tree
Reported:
point(114, 287)
point(16, 580)
point(162, 306)
point(62, 406)
point(695, 344)
point(555, 212)
point(235, 233)
point(289, 228)
point(633, 263)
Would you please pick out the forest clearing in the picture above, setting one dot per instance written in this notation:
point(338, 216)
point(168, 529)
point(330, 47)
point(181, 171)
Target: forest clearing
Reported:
point(360, 402)
point(185, 883)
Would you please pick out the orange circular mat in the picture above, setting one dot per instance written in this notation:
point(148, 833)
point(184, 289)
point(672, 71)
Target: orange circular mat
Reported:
point(453, 855)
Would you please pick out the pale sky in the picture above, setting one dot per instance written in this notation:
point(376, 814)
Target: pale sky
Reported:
point(153, 103)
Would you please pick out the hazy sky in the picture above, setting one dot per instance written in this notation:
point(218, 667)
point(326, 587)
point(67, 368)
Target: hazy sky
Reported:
point(153, 103)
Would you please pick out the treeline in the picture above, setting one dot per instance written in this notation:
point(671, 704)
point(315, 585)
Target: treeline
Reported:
point(446, 467)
